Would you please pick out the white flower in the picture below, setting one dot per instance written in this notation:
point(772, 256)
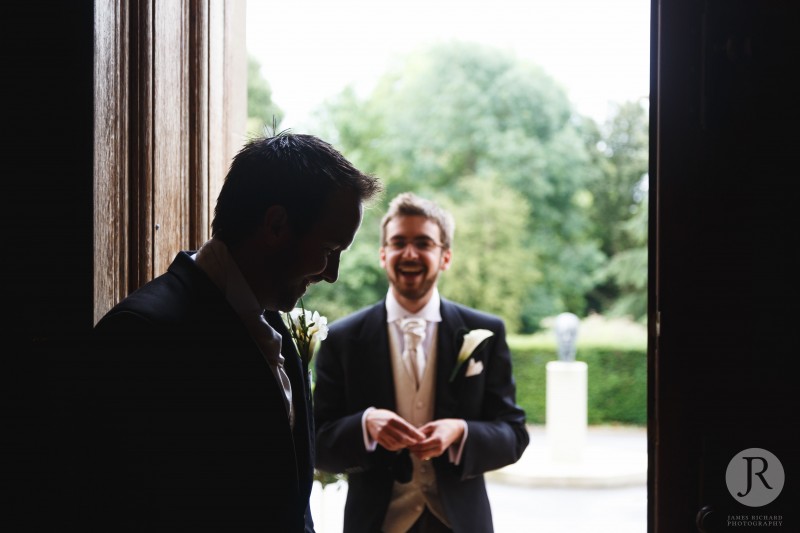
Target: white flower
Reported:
point(307, 329)
point(472, 340)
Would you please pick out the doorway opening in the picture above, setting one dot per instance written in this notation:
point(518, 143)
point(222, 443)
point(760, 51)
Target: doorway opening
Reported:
point(530, 115)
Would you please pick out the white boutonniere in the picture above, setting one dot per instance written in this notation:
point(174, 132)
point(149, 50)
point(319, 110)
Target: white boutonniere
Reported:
point(307, 329)
point(472, 340)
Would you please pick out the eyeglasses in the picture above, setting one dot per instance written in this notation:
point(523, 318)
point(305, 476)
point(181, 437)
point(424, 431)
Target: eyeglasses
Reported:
point(421, 244)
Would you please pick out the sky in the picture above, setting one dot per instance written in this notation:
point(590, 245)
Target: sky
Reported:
point(310, 49)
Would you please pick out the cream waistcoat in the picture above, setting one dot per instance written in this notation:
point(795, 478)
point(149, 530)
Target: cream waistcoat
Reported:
point(415, 405)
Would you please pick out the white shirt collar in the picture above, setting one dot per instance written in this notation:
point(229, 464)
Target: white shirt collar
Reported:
point(216, 261)
point(431, 312)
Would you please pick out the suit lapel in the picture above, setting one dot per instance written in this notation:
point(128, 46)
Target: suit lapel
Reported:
point(375, 361)
point(451, 333)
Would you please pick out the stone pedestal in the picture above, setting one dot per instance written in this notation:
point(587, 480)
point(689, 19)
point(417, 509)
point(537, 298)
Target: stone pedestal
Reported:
point(566, 410)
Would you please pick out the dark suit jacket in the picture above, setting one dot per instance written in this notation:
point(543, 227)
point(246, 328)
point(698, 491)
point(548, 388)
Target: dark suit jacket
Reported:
point(182, 422)
point(354, 372)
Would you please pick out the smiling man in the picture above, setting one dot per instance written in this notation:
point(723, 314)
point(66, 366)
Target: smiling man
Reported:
point(415, 396)
point(198, 413)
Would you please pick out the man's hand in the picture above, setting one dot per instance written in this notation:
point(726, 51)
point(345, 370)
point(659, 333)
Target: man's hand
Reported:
point(439, 435)
point(391, 431)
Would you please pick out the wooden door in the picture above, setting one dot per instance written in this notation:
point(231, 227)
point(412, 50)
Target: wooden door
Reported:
point(725, 140)
point(170, 113)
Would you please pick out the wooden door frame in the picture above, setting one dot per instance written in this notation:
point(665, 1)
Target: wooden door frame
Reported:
point(170, 112)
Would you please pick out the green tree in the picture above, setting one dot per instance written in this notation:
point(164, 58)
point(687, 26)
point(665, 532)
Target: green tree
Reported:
point(491, 267)
point(628, 268)
point(460, 113)
point(618, 208)
point(496, 138)
point(262, 112)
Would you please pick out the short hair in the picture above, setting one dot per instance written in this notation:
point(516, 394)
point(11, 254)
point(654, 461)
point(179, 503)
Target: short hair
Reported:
point(409, 204)
point(297, 171)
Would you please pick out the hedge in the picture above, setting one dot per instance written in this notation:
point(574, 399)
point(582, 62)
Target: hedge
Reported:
point(617, 381)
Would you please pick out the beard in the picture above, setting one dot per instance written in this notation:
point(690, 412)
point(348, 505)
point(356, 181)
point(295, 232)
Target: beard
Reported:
point(413, 286)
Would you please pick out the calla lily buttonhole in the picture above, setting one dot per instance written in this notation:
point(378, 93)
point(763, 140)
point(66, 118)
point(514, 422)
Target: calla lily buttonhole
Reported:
point(307, 329)
point(472, 340)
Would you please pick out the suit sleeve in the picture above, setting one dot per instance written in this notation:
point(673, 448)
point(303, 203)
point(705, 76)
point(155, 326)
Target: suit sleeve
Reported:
point(498, 436)
point(339, 439)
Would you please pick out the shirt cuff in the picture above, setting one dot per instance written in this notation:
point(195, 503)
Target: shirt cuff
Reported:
point(455, 454)
point(369, 444)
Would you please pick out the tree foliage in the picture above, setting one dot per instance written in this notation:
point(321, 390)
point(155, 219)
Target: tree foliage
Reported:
point(548, 204)
point(262, 112)
point(619, 209)
point(492, 264)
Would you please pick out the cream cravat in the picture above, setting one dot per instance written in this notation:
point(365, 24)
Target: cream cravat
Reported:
point(413, 354)
point(270, 342)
